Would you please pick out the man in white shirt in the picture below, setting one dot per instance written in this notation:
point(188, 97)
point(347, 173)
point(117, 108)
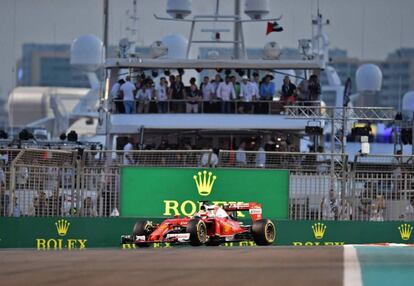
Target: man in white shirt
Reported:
point(255, 82)
point(260, 157)
point(161, 96)
point(116, 96)
point(144, 97)
point(209, 160)
point(247, 94)
point(128, 90)
point(241, 155)
point(226, 93)
point(207, 91)
point(128, 158)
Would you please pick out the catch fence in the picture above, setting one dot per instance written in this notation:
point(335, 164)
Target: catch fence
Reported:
point(37, 182)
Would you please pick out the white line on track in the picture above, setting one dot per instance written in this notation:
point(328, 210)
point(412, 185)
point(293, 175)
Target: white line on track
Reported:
point(352, 269)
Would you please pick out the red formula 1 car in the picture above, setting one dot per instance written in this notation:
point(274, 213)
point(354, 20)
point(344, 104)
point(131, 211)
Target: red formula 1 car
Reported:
point(212, 225)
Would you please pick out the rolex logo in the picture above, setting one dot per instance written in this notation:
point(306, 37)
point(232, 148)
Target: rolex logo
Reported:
point(204, 181)
point(405, 231)
point(62, 226)
point(318, 230)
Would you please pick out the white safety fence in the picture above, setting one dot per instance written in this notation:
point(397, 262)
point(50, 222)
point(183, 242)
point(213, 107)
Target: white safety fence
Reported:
point(321, 186)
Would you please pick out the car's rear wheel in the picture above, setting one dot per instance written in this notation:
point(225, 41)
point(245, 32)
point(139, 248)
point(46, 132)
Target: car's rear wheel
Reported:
point(198, 232)
point(142, 227)
point(264, 232)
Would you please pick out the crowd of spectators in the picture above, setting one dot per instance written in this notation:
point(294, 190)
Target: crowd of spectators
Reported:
point(217, 95)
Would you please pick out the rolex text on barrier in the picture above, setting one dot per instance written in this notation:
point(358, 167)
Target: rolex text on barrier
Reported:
point(51, 233)
point(166, 192)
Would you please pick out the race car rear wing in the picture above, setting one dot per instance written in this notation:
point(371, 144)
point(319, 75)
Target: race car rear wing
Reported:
point(255, 209)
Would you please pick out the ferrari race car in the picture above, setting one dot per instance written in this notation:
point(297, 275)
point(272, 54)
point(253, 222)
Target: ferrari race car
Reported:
point(212, 225)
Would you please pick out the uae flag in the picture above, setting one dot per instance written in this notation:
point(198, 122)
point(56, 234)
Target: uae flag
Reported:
point(273, 27)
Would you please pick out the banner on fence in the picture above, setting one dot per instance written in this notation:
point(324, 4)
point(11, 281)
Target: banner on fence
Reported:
point(82, 233)
point(165, 192)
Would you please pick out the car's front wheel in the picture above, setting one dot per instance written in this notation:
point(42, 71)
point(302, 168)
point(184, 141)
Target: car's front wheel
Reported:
point(198, 232)
point(264, 232)
point(142, 227)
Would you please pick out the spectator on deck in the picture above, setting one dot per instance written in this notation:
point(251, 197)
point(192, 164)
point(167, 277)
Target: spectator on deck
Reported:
point(207, 92)
point(303, 91)
point(209, 160)
point(247, 95)
point(128, 157)
point(241, 159)
point(144, 97)
point(314, 88)
point(177, 94)
point(261, 156)
point(128, 90)
point(267, 91)
point(215, 105)
point(161, 96)
point(288, 91)
point(330, 207)
point(116, 96)
point(192, 97)
point(236, 85)
point(225, 93)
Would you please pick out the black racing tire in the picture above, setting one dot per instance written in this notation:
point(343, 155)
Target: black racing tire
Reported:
point(198, 232)
point(264, 232)
point(141, 227)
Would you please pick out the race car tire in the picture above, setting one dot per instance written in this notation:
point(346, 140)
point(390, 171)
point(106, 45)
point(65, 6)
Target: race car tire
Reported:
point(141, 228)
point(198, 232)
point(264, 232)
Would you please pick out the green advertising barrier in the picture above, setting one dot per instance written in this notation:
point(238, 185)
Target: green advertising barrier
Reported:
point(81, 233)
point(165, 192)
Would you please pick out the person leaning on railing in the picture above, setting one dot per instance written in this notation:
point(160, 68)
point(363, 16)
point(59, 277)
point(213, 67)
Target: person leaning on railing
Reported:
point(267, 91)
point(226, 93)
point(144, 96)
point(161, 96)
point(192, 97)
point(247, 95)
point(117, 96)
point(128, 90)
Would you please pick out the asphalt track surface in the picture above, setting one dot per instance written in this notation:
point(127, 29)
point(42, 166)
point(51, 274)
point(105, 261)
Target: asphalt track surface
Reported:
point(175, 266)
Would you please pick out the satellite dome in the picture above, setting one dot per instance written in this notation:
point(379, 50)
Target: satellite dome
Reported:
point(408, 102)
point(179, 9)
point(256, 9)
point(176, 45)
point(87, 52)
point(368, 78)
point(272, 51)
point(158, 49)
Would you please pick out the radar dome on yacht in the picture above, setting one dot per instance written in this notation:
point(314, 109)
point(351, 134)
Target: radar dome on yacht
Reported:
point(272, 51)
point(408, 102)
point(176, 45)
point(158, 49)
point(87, 52)
point(368, 78)
point(179, 9)
point(256, 9)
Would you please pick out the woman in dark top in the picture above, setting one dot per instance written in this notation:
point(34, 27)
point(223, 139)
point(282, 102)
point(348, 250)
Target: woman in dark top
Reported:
point(314, 88)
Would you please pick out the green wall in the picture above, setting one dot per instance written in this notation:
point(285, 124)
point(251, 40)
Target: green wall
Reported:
point(42, 233)
point(164, 192)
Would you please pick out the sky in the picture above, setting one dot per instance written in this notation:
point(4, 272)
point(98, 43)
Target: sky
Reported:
point(367, 29)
